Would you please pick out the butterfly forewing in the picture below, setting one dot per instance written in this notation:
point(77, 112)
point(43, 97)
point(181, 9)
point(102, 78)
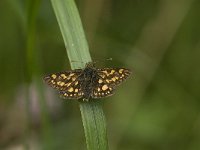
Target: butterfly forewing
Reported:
point(63, 80)
point(114, 76)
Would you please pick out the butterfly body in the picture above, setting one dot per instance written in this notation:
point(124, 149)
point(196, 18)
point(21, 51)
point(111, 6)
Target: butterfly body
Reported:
point(87, 82)
point(88, 78)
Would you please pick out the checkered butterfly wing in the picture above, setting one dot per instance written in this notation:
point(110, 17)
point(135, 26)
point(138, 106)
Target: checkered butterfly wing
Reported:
point(67, 83)
point(108, 79)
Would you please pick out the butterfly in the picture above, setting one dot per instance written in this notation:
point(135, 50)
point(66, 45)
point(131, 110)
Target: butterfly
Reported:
point(90, 82)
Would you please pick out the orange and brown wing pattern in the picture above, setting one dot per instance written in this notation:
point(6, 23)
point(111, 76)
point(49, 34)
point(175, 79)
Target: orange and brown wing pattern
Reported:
point(102, 89)
point(67, 83)
point(108, 79)
point(72, 92)
point(62, 80)
point(87, 82)
point(114, 76)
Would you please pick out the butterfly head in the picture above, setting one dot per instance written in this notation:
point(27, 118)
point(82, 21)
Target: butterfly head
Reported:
point(89, 71)
point(90, 65)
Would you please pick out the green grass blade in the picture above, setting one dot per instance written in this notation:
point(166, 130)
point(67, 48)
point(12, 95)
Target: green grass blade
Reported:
point(33, 75)
point(77, 49)
point(94, 125)
point(72, 32)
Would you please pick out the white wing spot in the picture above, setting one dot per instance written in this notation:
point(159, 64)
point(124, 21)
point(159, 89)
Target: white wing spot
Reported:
point(53, 76)
point(121, 70)
point(100, 81)
point(104, 87)
point(71, 89)
point(63, 76)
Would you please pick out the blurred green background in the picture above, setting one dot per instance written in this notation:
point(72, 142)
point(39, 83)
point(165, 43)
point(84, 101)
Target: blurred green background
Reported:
point(158, 108)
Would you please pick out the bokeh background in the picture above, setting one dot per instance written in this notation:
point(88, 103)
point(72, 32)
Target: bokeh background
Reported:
point(158, 108)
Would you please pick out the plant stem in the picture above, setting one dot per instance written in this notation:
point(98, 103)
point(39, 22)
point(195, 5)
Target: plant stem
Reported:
point(93, 118)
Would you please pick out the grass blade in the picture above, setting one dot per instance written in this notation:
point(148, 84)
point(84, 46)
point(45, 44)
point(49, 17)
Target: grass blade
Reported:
point(77, 49)
point(33, 77)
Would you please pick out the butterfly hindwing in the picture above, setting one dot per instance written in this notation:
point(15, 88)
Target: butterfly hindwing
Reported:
point(74, 91)
point(102, 89)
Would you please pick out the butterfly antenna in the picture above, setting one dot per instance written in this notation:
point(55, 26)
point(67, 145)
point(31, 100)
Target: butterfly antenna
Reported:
point(109, 59)
point(101, 61)
point(74, 61)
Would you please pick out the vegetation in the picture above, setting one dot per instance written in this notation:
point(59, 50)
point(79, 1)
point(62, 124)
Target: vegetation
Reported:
point(158, 108)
